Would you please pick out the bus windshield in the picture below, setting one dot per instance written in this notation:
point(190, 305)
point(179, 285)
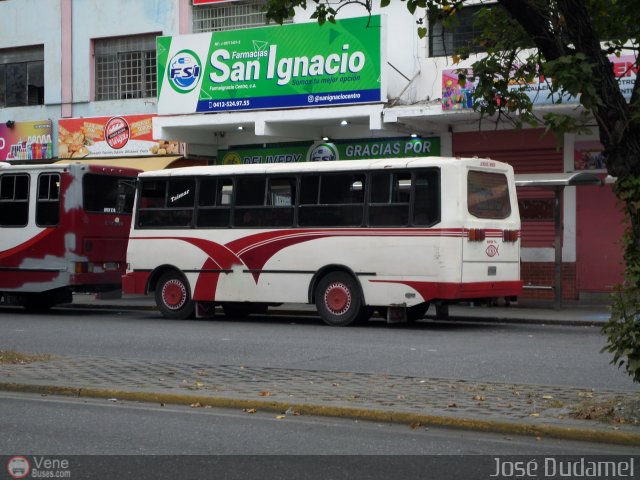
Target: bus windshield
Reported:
point(108, 194)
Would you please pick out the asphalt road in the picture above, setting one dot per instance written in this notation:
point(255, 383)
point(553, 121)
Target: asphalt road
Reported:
point(532, 354)
point(36, 425)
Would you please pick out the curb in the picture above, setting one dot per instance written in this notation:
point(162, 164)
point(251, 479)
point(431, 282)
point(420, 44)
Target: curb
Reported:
point(489, 426)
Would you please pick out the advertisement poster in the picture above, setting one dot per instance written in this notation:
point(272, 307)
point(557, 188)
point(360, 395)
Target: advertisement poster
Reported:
point(589, 156)
point(295, 65)
point(122, 136)
point(458, 97)
point(339, 150)
point(25, 140)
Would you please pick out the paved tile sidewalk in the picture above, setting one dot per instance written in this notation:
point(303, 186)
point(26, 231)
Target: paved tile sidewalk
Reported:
point(513, 408)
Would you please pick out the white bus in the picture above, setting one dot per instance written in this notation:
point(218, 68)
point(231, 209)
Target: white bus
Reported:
point(351, 237)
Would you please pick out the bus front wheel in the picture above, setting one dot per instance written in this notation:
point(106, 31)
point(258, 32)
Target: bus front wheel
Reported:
point(338, 299)
point(173, 297)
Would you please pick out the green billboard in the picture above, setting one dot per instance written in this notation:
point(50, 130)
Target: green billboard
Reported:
point(339, 150)
point(295, 65)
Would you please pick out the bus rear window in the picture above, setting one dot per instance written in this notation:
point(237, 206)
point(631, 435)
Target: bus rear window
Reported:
point(108, 194)
point(488, 195)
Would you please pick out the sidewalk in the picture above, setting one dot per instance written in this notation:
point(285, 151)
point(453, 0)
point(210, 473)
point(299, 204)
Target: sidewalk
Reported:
point(541, 411)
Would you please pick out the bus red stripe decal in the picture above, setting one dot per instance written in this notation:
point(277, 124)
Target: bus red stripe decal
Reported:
point(450, 291)
point(28, 244)
point(207, 282)
point(254, 251)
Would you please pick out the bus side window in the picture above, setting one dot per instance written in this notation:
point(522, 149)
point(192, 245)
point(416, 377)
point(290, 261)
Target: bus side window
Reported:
point(14, 200)
point(281, 196)
point(152, 200)
point(389, 204)
point(339, 202)
point(48, 202)
point(214, 201)
point(426, 200)
point(249, 200)
point(181, 196)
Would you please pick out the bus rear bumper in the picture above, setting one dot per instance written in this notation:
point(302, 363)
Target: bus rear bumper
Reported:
point(460, 291)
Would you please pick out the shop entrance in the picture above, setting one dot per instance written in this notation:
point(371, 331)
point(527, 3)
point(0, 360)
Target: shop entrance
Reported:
point(599, 229)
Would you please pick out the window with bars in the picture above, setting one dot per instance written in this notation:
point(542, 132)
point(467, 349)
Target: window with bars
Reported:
point(230, 16)
point(125, 67)
point(22, 77)
point(443, 41)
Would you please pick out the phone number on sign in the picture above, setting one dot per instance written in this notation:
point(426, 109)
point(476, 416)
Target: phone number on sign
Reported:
point(229, 104)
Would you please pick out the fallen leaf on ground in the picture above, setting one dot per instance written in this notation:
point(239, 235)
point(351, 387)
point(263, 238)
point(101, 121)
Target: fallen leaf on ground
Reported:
point(249, 410)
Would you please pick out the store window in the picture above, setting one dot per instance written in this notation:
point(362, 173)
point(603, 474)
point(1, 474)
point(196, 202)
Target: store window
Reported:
point(125, 67)
point(234, 15)
point(443, 41)
point(22, 77)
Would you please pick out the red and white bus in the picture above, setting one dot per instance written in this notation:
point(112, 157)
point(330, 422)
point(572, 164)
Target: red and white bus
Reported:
point(63, 228)
point(348, 236)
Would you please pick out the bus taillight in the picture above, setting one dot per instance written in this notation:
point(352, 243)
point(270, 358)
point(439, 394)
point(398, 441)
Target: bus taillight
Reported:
point(82, 267)
point(477, 234)
point(510, 235)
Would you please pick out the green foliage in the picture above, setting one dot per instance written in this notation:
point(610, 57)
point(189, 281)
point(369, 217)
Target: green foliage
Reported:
point(623, 331)
point(623, 328)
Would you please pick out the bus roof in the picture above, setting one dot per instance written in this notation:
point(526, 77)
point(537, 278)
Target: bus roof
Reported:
point(334, 166)
point(59, 167)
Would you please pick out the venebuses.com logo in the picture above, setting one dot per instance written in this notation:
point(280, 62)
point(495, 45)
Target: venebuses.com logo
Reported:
point(184, 71)
point(18, 467)
point(39, 467)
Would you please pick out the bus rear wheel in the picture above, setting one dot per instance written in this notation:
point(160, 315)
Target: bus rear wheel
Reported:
point(173, 297)
point(417, 312)
point(338, 300)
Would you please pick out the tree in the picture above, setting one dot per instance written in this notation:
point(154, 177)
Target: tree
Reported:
point(568, 42)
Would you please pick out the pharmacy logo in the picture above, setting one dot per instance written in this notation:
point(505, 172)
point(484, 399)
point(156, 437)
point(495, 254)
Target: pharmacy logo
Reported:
point(18, 467)
point(184, 71)
point(323, 152)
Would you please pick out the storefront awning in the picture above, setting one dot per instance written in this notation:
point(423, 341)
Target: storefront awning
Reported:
point(140, 163)
point(557, 179)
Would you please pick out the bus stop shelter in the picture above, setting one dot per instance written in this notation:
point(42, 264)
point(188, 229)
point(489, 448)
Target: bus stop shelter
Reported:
point(557, 182)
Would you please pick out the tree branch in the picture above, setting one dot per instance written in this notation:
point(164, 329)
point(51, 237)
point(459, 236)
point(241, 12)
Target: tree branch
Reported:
point(537, 23)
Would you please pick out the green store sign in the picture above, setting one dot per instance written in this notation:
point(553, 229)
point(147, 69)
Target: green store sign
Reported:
point(284, 66)
point(340, 150)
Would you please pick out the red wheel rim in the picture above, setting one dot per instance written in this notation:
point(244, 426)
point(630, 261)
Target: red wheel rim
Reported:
point(337, 298)
point(174, 294)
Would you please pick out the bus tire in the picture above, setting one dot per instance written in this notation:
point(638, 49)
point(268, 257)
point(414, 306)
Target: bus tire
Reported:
point(39, 302)
point(417, 312)
point(338, 299)
point(173, 298)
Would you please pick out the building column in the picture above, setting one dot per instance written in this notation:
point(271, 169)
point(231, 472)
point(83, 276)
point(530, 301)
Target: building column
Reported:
point(66, 56)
